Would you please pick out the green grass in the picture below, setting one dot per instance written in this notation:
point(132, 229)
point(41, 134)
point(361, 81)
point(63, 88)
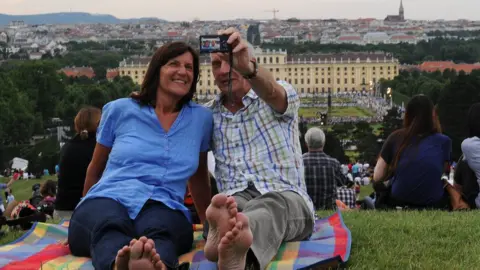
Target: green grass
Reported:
point(22, 189)
point(365, 191)
point(413, 240)
point(336, 111)
point(385, 240)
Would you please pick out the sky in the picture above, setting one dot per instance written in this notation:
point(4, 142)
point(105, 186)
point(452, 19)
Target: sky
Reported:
point(187, 10)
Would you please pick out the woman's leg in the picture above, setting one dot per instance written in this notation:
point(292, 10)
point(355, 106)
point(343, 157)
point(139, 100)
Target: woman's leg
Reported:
point(169, 229)
point(99, 228)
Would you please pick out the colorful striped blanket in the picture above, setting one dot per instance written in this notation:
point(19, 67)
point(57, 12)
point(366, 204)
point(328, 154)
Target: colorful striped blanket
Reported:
point(40, 248)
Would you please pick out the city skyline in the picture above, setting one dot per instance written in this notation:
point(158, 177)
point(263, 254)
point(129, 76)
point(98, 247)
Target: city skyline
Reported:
point(252, 9)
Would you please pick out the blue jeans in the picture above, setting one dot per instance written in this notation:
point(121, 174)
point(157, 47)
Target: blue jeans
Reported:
point(100, 227)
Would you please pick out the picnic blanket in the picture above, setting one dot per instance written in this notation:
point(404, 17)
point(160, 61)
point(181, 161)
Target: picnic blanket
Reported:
point(39, 248)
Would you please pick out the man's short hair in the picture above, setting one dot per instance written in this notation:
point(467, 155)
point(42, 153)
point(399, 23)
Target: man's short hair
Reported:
point(315, 138)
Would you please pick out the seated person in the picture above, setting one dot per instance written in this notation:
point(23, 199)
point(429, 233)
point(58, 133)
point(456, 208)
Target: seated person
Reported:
point(323, 174)
point(10, 197)
point(258, 161)
point(132, 215)
point(414, 159)
point(36, 209)
point(471, 146)
point(75, 156)
point(347, 195)
point(465, 180)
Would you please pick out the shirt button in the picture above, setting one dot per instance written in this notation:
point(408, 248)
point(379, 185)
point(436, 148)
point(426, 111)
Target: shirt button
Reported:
point(238, 160)
point(236, 144)
point(236, 126)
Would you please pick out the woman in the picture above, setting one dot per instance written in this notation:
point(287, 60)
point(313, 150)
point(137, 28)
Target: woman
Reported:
point(416, 157)
point(148, 147)
point(471, 151)
point(74, 159)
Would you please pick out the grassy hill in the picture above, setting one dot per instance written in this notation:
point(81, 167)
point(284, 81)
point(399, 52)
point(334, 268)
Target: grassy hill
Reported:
point(388, 240)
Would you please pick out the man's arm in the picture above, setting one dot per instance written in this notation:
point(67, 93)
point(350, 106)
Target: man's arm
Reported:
point(269, 90)
point(199, 186)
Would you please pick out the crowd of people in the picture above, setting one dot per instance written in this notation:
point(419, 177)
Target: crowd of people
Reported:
point(129, 178)
point(379, 106)
point(414, 169)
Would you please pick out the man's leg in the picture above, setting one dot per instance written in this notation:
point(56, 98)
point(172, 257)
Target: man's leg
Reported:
point(274, 218)
point(99, 228)
point(169, 229)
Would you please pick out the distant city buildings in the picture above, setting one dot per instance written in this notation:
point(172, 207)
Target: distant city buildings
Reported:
point(394, 29)
point(78, 72)
point(397, 18)
point(432, 66)
point(309, 73)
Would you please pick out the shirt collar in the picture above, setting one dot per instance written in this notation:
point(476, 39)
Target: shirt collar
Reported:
point(247, 99)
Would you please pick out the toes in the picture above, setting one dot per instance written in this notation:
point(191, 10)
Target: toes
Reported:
point(156, 258)
point(229, 235)
point(147, 250)
point(136, 251)
point(143, 239)
point(133, 242)
point(123, 251)
point(219, 200)
point(150, 241)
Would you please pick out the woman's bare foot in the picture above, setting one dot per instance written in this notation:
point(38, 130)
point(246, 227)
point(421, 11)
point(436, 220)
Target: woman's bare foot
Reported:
point(141, 254)
point(233, 248)
point(123, 256)
point(221, 218)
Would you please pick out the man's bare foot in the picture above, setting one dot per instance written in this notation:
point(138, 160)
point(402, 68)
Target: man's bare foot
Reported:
point(221, 218)
point(233, 248)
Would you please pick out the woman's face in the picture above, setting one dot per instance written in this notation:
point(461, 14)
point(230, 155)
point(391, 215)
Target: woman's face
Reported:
point(176, 76)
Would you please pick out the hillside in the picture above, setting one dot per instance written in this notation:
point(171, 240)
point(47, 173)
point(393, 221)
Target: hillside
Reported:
point(69, 18)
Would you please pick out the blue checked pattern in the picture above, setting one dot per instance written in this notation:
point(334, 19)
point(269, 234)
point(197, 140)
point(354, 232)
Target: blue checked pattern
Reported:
point(259, 146)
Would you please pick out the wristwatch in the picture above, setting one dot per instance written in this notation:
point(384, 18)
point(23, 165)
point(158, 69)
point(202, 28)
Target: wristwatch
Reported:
point(255, 70)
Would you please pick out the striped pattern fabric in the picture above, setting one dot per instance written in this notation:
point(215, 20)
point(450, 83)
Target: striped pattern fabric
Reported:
point(40, 248)
point(258, 145)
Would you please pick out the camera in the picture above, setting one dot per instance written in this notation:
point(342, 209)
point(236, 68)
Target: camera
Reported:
point(214, 44)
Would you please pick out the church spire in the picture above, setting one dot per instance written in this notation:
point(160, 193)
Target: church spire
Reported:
point(401, 12)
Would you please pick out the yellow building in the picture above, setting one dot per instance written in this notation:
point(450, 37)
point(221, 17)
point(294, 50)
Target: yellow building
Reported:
point(309, 73)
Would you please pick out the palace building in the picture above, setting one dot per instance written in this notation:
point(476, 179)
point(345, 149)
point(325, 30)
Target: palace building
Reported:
point(309, 73)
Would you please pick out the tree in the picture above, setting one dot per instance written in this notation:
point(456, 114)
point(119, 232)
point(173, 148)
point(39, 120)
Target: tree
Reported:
point(334, 148)
point(391, 122)
point(452, 106)
point(365, 141)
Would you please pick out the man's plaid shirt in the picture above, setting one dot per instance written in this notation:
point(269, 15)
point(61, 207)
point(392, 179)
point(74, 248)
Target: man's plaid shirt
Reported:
point(258, 145)
point(323, 174)
point(348, 196)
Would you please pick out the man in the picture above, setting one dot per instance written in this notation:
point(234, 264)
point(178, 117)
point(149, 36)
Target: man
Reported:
point(258, 161)
point(323, 173)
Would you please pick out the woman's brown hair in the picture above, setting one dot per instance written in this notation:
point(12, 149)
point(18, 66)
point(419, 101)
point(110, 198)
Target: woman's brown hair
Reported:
point(49, 188)
point(148, 92)
point(87, 120)
point(420, 121)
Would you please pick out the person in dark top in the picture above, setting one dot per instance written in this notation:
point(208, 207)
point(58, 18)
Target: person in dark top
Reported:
point(414, 159)
point(75, 157)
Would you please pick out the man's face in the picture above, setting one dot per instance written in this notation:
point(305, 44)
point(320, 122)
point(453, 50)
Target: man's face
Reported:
point(220, 69)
